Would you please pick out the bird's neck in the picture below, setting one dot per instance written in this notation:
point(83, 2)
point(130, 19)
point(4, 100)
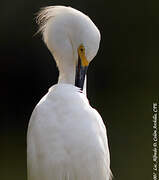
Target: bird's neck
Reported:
point(67, 72)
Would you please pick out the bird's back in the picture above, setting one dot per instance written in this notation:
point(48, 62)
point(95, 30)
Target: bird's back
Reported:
point(66, 138)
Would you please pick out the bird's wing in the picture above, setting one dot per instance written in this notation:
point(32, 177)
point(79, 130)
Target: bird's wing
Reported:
point(67, 140)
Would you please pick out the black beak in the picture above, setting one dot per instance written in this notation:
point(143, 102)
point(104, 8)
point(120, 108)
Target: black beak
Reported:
point(80, 74)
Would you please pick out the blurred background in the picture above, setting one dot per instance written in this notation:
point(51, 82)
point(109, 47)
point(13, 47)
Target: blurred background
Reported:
point(122, 80)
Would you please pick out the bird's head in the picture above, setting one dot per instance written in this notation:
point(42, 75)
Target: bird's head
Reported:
point(71, 37)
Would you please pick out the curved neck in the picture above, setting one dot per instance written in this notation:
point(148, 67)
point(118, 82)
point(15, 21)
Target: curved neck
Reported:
point(67, 72)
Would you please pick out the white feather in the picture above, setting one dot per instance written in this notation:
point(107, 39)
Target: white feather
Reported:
point(66, 137)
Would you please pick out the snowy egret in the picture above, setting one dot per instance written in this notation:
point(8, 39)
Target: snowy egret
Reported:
point(66, 137)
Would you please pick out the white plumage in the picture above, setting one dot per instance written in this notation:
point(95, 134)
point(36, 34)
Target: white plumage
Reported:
point(66, 137)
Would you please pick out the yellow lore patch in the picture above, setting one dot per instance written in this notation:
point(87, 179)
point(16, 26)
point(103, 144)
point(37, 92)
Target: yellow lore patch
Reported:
point(81, 53)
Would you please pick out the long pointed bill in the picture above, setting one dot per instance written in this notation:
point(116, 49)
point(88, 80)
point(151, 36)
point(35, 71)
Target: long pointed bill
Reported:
point(81, 71)
point(81, 67)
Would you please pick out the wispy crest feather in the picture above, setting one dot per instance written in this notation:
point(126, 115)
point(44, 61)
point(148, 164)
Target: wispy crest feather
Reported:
point(45, 14)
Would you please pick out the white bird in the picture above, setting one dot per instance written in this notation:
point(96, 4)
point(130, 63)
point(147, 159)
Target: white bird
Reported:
point(66, 137)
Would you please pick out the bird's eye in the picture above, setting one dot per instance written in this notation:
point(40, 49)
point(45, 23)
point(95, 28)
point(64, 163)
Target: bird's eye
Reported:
point(82, 49)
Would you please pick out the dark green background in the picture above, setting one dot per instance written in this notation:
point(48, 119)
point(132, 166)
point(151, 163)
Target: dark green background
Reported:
point(122, 79)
